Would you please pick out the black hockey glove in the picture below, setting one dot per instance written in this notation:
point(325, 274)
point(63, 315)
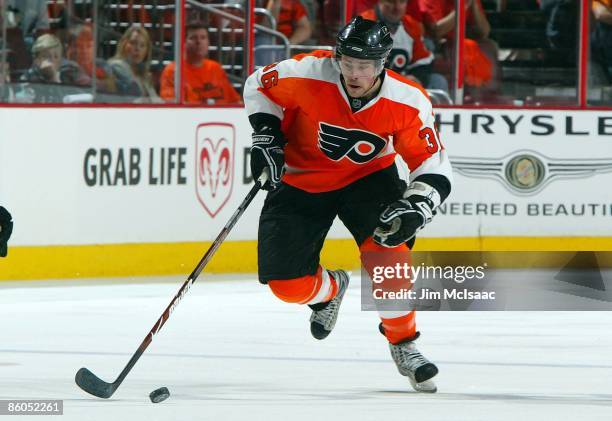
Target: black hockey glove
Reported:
point(6, 228)
point(402, 219)
point(267, 152)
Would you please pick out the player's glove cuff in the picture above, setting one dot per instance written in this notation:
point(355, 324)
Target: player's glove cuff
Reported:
point(418, 188)
point(267, 152)
point(402, 219)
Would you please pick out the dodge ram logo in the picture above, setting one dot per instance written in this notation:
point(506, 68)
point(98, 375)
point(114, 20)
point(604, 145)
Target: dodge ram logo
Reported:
point(214, 165)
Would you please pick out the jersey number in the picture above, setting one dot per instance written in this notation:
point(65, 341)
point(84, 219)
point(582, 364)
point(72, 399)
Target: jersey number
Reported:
point(269, 78)
point(428, 135)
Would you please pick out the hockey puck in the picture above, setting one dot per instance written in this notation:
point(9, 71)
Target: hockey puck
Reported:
point(159, 395)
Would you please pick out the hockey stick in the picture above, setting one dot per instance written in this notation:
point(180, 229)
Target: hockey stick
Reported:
point(91, 383)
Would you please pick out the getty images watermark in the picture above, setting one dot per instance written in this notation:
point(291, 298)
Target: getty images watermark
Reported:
point(392, 281)
point(403, 286)
point(386, 279)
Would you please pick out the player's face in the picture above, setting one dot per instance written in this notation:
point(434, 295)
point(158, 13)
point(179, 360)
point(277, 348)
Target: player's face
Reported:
point(197, 43)
point(393, 10)
point(359, 75)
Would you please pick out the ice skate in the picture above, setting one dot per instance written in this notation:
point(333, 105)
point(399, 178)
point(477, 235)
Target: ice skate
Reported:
point(324, 315)
point(412, 364)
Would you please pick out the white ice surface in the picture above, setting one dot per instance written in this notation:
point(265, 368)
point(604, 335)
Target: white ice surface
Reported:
point(231, 351)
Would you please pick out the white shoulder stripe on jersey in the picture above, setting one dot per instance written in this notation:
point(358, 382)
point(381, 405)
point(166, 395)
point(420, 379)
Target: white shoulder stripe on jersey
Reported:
point(309, 67)
point(257, 102)
point(404, 93)
point(398, 91)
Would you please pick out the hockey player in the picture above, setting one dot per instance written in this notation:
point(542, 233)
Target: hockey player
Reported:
point(327, 126)
point(6, 228)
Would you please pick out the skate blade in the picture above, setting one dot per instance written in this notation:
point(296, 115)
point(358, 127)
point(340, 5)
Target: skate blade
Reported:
point(428, 386)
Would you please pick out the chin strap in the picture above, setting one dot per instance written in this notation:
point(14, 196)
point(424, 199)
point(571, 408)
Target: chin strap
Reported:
point(371, 86)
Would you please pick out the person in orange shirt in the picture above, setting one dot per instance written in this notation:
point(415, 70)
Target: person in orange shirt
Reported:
point(413, 9)
point(482, 71)
point(409, 56)
point(205, 80)
point(327, 129)
point(291, 19)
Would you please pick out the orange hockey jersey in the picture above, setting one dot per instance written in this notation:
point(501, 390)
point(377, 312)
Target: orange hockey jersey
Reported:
point(330, 146)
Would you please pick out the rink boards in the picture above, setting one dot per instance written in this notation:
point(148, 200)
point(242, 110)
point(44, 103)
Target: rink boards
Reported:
point(136, 191)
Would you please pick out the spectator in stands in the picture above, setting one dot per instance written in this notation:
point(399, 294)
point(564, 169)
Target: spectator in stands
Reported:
point(48, 55)
point(32, 17)
point(602, 35)
point(330, 21)
point(5, 71)
point(443, 14)
point(311, 10)
point(409, 55)
point(413, 9)
point(45, 71)
point(204, 82)
point(131, 66)
point(562, 25)
point(6, 91)
point(291, 19)
point(480, 52)
point(50, 66)
point(18, 53)
point(53, 78)
point(80, 50)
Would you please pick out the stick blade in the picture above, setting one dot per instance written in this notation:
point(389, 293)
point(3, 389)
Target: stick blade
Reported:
point(93, 385)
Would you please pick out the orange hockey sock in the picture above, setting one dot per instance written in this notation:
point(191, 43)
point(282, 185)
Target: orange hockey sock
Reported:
point(310, 289)
point(399, 329)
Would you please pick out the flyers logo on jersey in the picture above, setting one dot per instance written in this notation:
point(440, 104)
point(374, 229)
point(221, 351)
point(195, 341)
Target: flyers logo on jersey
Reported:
point(357, 145)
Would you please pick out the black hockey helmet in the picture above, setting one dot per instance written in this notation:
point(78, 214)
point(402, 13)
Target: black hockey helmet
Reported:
point(365, 39)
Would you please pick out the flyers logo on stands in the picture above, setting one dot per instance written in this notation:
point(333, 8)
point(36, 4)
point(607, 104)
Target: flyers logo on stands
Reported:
point(398, 59)
point(215, 145)
point(357, 145)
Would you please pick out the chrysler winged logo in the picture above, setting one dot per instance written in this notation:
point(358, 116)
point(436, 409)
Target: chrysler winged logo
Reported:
point(357, 145)
point(214, 165)
point(528, 172)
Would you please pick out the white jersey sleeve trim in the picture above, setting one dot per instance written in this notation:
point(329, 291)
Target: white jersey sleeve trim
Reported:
point(436, 164)
point(398, 91)
point(404, 93)
point(255, 101)
point(309, 67)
